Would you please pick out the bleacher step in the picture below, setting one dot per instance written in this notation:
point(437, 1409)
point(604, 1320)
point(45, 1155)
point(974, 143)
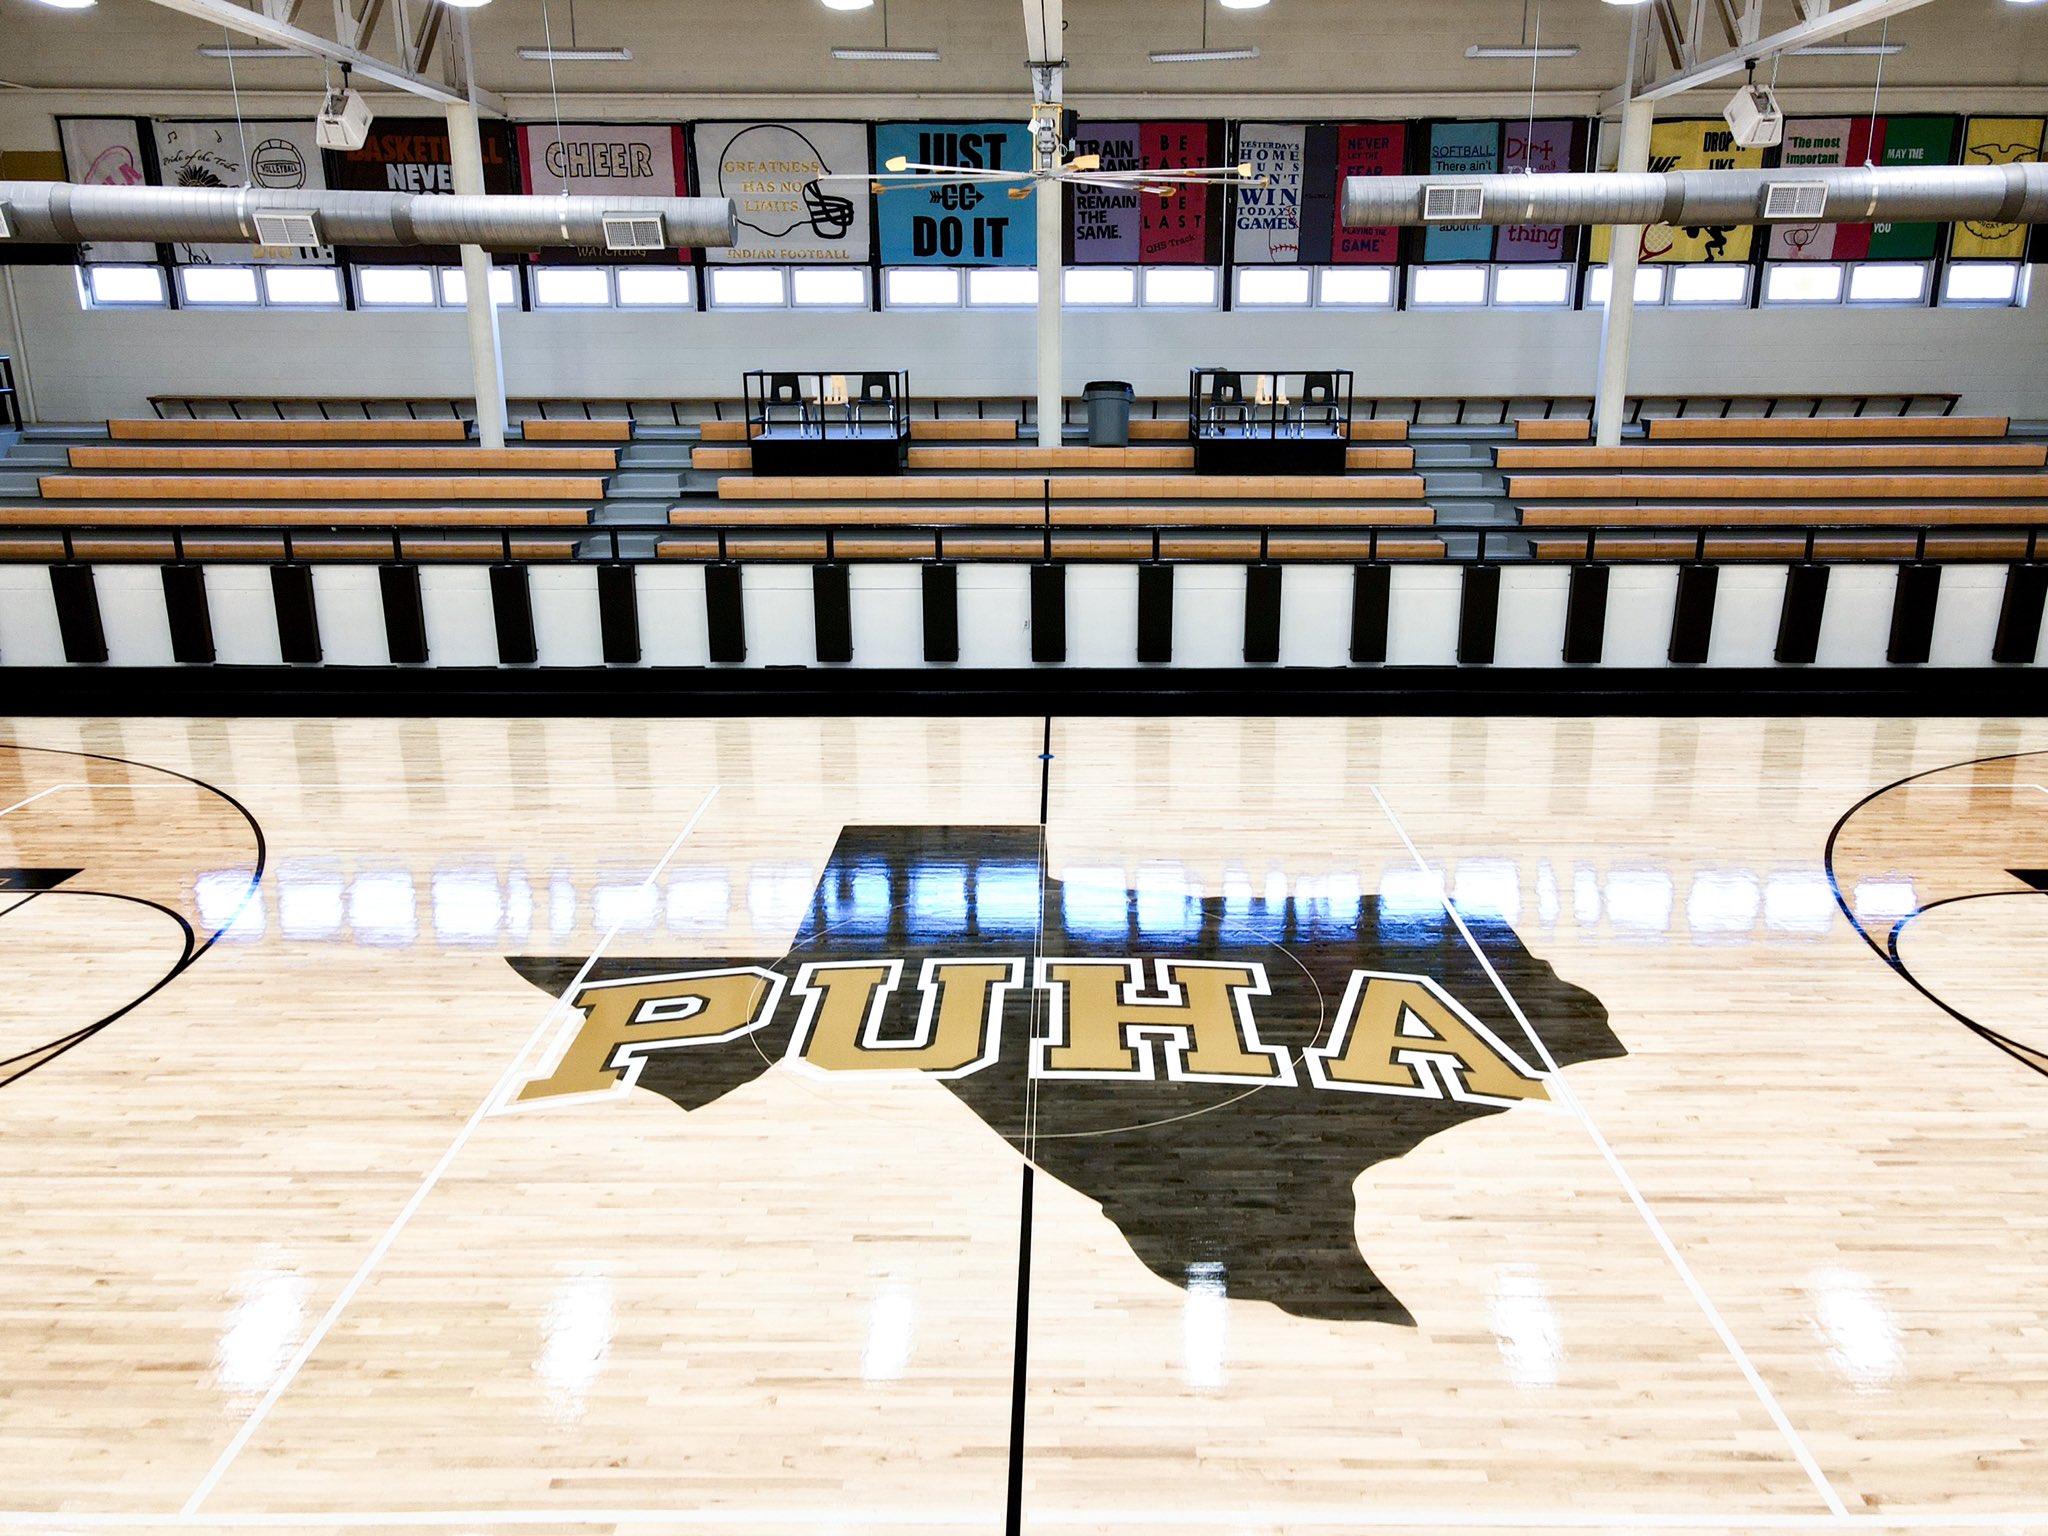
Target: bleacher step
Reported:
point(40, 455)
point(1474, 510)
point(18, 484)
point(645, 482)
point(65, 432)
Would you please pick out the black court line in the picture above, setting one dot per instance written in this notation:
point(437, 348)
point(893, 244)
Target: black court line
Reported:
point(1013, 1522)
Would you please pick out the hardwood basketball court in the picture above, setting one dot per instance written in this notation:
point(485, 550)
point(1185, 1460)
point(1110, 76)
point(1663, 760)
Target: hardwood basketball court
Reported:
point(493, 1124)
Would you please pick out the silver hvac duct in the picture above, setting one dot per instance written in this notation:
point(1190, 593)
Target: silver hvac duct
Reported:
point(64, 213)
point(2003, 194)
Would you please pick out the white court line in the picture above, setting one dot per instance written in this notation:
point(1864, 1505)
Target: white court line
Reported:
point(1557, 1085)
point(32, 799)
point(398, 1224)
point(1337, 1517)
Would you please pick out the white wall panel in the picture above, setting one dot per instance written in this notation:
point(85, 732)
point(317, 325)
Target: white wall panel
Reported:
point(888, 613)
point(566, 630)
point(995, 615)
point(782, 626)
point(1856, 623)
point(462, 628)
point(1529, 631)
point(1640, 602)
point(1747, 603)
point(1422, 615)
point(673, 630)
point(132, 612)
point(1208, 615)
point(1102, 615)
point(350, 605)
point(1966, 615)
point(1315, 615)
point(29, 636)
point(244, 613)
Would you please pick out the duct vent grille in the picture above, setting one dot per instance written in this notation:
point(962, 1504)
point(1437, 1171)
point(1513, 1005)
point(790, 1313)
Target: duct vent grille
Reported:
point(1801, 200)
point(633, 232)
point(1451, 204)
point(292, 230)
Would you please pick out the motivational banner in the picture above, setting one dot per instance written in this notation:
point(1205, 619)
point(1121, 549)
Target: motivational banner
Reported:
point(771, 172)
point(1115, 226)
point(1461, 149)
point(1367, 149)
point(1266, 223)
point(1995, 141)
point(1545, 146)
point(592, 159)
point(1832, 141)
point(106, 152)
point(410, 154)
point(957, 224)
point(1691, 145)
point(283, 155)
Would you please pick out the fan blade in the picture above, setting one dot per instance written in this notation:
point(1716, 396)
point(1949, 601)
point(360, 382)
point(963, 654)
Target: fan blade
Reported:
point(1086, 162)
point(897, 163)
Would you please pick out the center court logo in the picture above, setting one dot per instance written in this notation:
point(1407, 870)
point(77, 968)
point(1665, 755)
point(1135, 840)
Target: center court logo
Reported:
point(1215, 1072)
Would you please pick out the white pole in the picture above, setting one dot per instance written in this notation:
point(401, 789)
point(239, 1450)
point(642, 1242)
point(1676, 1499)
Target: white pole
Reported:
point(1617, 332)
point(25, 395)
point(486, 360)
point(1051, 229)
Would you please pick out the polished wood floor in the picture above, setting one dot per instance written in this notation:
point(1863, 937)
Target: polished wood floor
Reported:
point(1691, 1172)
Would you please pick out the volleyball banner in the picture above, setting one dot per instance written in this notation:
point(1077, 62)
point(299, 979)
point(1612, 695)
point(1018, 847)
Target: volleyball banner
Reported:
point(282, 155)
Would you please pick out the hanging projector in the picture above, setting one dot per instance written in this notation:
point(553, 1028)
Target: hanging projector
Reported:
point(345, 118)
point(1754, 117)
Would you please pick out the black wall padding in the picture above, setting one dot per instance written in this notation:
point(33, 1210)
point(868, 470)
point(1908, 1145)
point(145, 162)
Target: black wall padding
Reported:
point(298, 617)
point(1585, 614)
point(78, 612)
point(832, 611)
point(1371, 587)
point(725, 611)
point(512, 610)
point(2019, 615)
point(1049, 612)
point(1692, 618)
point(618, 612)
point(191, 619)
point(941, 611)
point(1262, 586)
point(405, 615)
point(1913, 614)
point(1155, 612)
point(1806, 600)
point(1478, 614)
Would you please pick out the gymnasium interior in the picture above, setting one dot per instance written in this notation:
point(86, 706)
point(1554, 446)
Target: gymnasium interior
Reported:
point(997, 766)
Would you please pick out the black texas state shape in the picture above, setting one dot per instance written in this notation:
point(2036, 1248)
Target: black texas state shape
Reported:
point(1246, 1188)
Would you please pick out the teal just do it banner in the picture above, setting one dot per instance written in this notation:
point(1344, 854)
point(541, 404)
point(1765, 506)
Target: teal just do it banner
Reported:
point(956, 224)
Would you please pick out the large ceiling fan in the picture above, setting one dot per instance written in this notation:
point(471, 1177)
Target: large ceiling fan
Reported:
point(1052, 137)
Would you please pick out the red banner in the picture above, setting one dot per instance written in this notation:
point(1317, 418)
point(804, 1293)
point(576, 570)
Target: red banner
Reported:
point(1176, 228)
point(1368, 149)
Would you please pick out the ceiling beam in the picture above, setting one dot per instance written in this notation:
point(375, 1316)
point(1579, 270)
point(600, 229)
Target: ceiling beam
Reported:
point(265, 29)
point(1830, 23)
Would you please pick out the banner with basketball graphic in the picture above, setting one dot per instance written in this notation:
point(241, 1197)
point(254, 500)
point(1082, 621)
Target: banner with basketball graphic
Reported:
point(1883, 141)
point(1691, 144)
point(106, 152)
point(1122, 225)
point(600, 159)
point(281, 155)
point(772, 172)
point(1995, 141)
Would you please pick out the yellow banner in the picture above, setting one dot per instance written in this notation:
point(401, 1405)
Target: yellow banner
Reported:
point(1691, 145)
point(1996, 141)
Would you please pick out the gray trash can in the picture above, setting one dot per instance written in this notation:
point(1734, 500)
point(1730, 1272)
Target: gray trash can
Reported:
point(1109, 413)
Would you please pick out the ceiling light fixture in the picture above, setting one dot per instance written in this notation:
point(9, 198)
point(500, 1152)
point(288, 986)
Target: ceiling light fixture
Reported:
point(467, 5)
point(578, 55)
point(1626, 2)
point(887, 55)
point(849, 5)
point(1244, 5)
point(1522, 51)
point(1857, 50)
point(252, 51)
point(70, 5)
point(1204, 55)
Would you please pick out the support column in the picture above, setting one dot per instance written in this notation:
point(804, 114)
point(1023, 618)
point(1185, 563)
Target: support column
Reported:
point(1051, 229)
point(1617, 330)
point(486, 361)
point(25, 394)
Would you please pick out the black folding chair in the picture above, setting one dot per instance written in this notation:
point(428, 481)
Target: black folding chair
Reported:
point(875, 402)
point(1318, 404)
point(1226, 397)
point(786, 390)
